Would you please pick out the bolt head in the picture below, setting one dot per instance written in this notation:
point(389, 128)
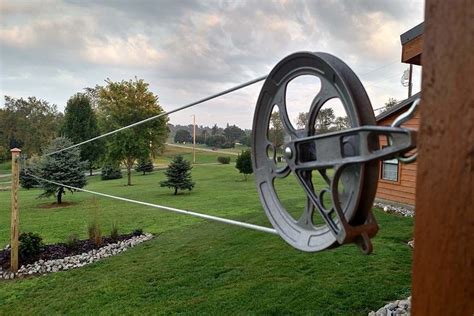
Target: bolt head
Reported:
point(288, 152)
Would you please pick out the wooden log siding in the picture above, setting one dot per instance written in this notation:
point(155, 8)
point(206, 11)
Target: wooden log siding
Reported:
point(402, 191)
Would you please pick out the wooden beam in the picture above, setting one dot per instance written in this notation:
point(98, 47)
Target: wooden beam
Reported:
point(411, 51)
point(443, 267)
point(14, 229)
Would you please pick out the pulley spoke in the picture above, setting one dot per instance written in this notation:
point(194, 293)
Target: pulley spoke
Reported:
point(326, 93)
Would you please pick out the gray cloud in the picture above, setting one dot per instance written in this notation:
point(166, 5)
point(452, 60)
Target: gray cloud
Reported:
point(188, 49)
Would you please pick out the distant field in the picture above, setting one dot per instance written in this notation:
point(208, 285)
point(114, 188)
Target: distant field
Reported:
point(187, 153)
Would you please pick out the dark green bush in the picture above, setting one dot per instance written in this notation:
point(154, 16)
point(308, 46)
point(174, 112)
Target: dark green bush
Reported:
point(110, 172)
point(138, 232)
point(30, 247)
point(223, 160)
point(144, 165)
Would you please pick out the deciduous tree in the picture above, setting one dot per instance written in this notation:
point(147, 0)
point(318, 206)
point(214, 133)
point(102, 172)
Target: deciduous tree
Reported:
point(276, 133)
point(29, 123)
point(183, 136)
point(126, 102)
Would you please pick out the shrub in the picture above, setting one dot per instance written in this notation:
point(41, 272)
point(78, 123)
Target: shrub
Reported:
point(30, 247)
point(95, 235)
point(144, 165)
point(244, 163)
point(110, 172)
point(223, 160)
point(137, 232)
point(114, 232)
point(72, 242)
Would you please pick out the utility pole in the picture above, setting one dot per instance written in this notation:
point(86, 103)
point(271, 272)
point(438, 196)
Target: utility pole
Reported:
point(14, 231)
point(194, 138)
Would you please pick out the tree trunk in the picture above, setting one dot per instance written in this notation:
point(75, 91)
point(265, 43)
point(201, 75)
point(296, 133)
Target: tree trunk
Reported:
point(175, 190)
point(60, 195)
point(129, 175)
point(90, 171)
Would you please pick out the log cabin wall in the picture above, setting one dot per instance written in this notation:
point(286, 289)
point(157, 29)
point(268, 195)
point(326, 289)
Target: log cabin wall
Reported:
point(401, 191)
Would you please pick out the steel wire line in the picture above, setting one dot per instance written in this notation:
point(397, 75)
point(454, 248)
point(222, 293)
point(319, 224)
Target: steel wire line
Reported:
point(243, 85)
point(167, 208)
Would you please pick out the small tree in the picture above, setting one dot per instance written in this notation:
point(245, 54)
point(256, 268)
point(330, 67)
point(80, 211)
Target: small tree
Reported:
point(178, 175)
point(244, 163)
point(144, 165)
point(64, 167)
point(26, 181)
point(111, 172)
point(80, 123)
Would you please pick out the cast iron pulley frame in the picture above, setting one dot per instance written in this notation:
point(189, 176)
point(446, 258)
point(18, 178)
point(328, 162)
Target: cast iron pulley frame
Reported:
point(352, 154)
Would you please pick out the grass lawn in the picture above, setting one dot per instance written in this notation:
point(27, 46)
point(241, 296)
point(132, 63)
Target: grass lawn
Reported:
point(199, 267)
point(202, 157)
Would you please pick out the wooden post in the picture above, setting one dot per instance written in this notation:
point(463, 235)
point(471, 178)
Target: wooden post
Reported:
point(443, 263)
point(15, 210)
point(194, 138)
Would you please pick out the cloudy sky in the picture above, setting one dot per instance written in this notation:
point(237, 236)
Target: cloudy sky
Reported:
point(186, 49)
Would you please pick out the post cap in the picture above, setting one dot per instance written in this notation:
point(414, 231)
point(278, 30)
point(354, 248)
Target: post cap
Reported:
point(15, 150)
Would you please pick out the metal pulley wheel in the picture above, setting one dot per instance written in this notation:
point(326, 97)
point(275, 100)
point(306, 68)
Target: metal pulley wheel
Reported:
point(347, 160)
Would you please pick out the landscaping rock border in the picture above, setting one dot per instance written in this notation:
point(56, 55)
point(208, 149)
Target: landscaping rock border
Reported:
point(400, 307)
point(77, 261)
point(393, 209)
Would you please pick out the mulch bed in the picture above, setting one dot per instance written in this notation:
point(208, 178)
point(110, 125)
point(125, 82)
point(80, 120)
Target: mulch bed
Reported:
point(62, 250)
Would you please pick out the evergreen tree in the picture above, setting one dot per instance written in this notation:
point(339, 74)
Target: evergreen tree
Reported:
point(64, 167)
point(244, 163)
point(80, 123)
point(178, 175)
point(26, 181)
point(110, 172)
point(144, 165)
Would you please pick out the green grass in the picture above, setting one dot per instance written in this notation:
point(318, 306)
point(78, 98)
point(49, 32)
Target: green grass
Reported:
point(199, 267)
point(202, 157)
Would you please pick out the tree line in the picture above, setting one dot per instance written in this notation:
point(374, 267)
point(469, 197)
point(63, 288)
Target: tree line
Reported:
point(214, 136)
point(36, 127)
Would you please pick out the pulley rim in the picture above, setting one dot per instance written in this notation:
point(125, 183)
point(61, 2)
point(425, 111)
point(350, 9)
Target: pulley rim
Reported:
point(339, 80)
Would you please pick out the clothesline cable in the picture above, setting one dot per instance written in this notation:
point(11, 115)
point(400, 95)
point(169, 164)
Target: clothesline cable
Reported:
point(219, 94)
point(243, 85)
point(166, 208)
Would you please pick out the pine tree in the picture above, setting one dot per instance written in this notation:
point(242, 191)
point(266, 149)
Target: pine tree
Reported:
point(144, 165)
point(244, 163)
point(110, 172)
point(178, 175)
point(64, 167)
point(80, 123)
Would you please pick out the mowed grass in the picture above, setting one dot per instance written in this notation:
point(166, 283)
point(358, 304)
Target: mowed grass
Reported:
point(202, 157)
point(199, 267)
